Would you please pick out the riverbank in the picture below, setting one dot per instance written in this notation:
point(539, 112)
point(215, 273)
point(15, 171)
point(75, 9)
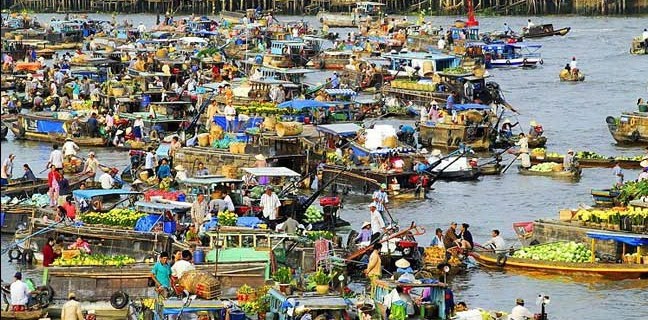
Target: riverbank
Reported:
point(312, 7)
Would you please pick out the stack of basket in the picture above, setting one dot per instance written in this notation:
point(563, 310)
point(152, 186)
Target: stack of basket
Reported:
point(229, 171)
point(200, 283)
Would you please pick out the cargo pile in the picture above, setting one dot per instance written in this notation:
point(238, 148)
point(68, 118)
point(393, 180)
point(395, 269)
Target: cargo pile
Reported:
point(633, 190)
point(94, 259)
point(227, 218)
point(558, 251)
point(435, 255)
point(126, 218)
point(316, 235)
point(544, 167)
point(313, 215)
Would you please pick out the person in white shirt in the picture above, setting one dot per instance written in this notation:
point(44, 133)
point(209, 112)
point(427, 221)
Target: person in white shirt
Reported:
point(107, 179)
point(530, 24)
point(91, 166)
point(377, 222)
point(496, 243)
point(230, 116)
point(181, 266)
point(520, 312)
point(644, 171)
point(20, 293)
point(150, 161)
point(644, 35)
point(56, 158)
point(70, 148)
point(181, 173)
point(270, 204)
point(437, 240)
point(441, 44)
point(141, 28)
point(7, 169)
point(229, 204)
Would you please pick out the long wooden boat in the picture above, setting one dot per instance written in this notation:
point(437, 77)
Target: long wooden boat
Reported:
point(33, 127)
point(13, 216)
point(554, 174)
point(28, 188)
point(611, 271)
point(544, 30)
point(604, 197)
point(631, 128)
point(592, 163)
point(534, 142)
point(22, 315)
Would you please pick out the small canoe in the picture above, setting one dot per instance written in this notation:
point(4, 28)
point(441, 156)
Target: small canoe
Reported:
point(610, 271)
point(22, 315)
point(568, 76)
point(554, 174)
point(604, 197)
point(592, 163)
point(491, 169)
point(545, 30)
point(28, 188)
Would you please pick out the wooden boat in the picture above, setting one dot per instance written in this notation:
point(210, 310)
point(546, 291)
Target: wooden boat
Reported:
point(534, 142)
point(592, 163)
point(605, 197)
point(544, 30)
point(22, 315)
point(449, 136)
point(638, 46)
point(631, 128)
point(554, 174)
point(28, 188)
point(14, 217)
point(331, 60)
point(569, 76)
point(491, 169)
point(28, 127)
point(3, 131)
point(46, 53)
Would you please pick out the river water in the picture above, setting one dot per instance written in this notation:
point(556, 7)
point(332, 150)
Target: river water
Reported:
point(573, 116)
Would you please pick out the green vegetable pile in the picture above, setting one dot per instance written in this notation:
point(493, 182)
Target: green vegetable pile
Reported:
point(257, 192)
point(313, 215)
point(457, 70)
point(559, 251)
point(116, 217)
point(543, 167)
point(316, 235)
point(227, 218)
point(632, 190)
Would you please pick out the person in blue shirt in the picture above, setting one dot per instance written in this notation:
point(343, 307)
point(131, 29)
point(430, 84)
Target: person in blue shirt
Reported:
point(451, 101)
point(29, 174)
point(335, 81)
point(164, 170)
point(161, 272)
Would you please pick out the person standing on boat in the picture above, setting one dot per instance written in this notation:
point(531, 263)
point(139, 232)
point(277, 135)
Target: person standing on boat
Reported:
point(161, 273)
point(377, 221)
point(380, 198)
point(507, 128)
point(507, 29)
point(618, 174)
point(199, 210)
point(530, 24)
point(164, 170)
point(70, 149)
point(149, 162)
point(374, 266)
point(7, 169)
point(48, 252)
point(53, 179)
point(520, 312)
point(573, 66)
point(230, 117)
point(181, 266)
point(71, 310)
point(568, 160)
point(91, 166)
point(202, 171)
point(523, 153)
point(80, 245)
point(138, 127)
point(270, 205)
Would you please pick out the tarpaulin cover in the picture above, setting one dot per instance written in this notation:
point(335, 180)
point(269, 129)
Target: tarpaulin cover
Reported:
point(89, 193)
point(46, 126)
point(633, 240)
point(299, 104)
point(146, 224)
point(248, 222)
point(470, 106)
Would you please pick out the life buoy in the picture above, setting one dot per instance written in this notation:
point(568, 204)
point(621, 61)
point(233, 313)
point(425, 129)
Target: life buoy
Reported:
point(14, 254)
point(508, 62)
point(119, 300)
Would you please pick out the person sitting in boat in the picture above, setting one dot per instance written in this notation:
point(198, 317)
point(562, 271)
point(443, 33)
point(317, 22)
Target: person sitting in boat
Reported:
point(364, 237)
point(530, 24)
point(573, 66)
point(535, 130)
point(107, 179)
point(181, 266)
point(20, 294)
point(29, 174)
point(465, 239)
point(507, 128)
point(81, 245)
point(507, 29)
point(520, 312)
point(644, 171)
point(434, 114)
point(569, 161)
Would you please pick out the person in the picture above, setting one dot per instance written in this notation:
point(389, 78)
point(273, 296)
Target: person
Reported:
point(249, 181)
point(498, 245)
point(335, 80)
point(377, 222)
point(380, 198)
point(270, 204)
point(58, 247)
point(465, 240)
point(199, 210)
point(365, 233)
point(183, 265)
point(277, 94)
point(161, 272)
point(520, 312)
point(573, 64)
point(374, 266)
point(81, 245)
point(175, 146)
point(71, 310)
point(450, 237)
point(530, 24)
point(230, 116)
point(53, 179)
point(192, 235)
point(202, 171)
point(70, 209)
point(450, 102)
point(644, 35)
point(289, 226)
point(29, 174)
point(424, 113)
point(69, 149)
point(91, 166)
point(20, 293)
point(48, 252)
point(260, 162)
point(7, 169)
point(227, 201)
point(437, 240)
point(56, 158)
point(75, 127)
point(107, 179)
point(523, 143)
point(535, 130)
point(93, 125)
point(618, 174)
point(164, 170)
point(644, 171)
point(507, 29)
point(568, 160)
point(507, 128)
point(149, 161)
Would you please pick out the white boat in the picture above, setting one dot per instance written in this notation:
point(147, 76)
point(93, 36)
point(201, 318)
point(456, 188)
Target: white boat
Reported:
point(364, 11)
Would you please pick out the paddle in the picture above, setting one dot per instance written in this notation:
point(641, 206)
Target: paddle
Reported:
point(509, 165)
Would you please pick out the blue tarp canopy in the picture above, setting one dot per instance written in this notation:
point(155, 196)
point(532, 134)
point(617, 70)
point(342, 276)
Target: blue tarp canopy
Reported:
point(631, 239)
point(470, 106)
point(90, 193)
point(299, 104)
point(340, 129)
point(46, 126)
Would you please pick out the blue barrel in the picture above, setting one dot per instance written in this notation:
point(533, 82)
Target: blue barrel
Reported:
point(2, 218)
point(199, 257)
point(146, 100)
point(258, 59)
point(237, 315)
point(182, 197)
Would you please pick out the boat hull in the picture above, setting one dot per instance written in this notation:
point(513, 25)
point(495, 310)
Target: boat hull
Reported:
point(558, 32)
point(516, 62)
point(40, 186)
point(22, 315)
point(60, 138)
point(574, 175)
point(592, 163)
point(567, 76)
point(631, 129)
point(606, 271)
point(3, 131)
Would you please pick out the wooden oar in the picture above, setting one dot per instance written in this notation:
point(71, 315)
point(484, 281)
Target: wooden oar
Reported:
point(509, 165)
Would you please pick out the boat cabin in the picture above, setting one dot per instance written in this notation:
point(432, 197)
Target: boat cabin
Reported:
point(471, 129)
point(432, 294)
point(100, 200)
point(521, 54)
point(208, 185)
point(286, 47)
point(420, 63)
point(333, 306)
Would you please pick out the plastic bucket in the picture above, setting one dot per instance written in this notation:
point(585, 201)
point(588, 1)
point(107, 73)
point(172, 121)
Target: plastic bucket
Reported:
point(182, 197)
point(237, 315)
point(643, 107)
point(198, 257)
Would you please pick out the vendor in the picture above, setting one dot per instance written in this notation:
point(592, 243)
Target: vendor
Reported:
point(568, 160)
point(507, 128)
point(81, 245)
point(365, 233)
point(535, 130)
point(270, 204)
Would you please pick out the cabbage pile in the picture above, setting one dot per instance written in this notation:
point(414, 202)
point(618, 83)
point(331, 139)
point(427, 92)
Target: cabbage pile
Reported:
point(313, 215)
point(559, 251)
point(543, 167)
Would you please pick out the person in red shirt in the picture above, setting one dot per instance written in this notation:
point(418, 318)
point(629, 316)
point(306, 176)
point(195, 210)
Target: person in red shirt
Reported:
point(53, 178)
point(49, 255)
point(70, 209)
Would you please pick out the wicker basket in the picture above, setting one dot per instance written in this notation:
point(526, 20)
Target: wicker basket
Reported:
point(70, 254)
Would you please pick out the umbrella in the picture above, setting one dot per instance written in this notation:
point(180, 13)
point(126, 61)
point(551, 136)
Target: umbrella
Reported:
point(299, 104)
